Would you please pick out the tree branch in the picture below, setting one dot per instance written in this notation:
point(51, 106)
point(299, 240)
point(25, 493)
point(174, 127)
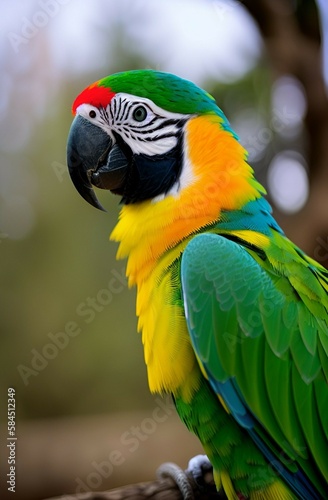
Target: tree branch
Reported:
point(292, 40)
point(160, 489)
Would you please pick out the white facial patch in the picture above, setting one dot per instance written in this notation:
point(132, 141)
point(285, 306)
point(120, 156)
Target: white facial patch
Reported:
point(145, 127)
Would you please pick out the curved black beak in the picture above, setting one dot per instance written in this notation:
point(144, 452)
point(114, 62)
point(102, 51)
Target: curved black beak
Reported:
point(93, 159)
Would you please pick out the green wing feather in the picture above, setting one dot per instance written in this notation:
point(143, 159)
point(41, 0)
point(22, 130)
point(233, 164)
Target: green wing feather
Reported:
point(261, 346)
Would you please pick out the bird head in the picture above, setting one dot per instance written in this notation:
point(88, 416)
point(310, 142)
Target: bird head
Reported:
point(127, 135)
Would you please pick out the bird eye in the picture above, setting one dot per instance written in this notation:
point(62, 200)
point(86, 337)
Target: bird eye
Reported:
point(139, 114)
point(92, 113)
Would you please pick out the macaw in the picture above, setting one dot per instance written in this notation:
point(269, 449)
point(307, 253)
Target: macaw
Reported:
point(233, 315)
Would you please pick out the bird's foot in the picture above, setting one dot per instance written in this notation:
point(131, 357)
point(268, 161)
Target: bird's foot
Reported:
point(180, 478)
point(201, 470)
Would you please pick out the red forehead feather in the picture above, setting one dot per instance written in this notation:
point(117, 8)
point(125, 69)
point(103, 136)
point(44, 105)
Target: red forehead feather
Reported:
point(94, 95)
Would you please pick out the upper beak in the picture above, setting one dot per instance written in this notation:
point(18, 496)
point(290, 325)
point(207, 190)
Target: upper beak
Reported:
point(93, 159)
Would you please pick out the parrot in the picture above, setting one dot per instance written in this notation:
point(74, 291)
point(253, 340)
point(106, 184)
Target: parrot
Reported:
point(232, 314)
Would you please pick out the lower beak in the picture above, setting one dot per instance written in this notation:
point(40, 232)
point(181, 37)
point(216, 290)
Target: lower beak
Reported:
point(93, 159)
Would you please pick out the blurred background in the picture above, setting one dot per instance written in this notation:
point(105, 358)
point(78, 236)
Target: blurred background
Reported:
point(68, 346)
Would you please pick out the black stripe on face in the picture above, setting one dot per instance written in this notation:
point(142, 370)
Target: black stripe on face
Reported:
point(136, 128)
point(126, 103)
point(157, 138)
point(111, 113)
point(115, 108)
point(164, 124)
point(104, 114)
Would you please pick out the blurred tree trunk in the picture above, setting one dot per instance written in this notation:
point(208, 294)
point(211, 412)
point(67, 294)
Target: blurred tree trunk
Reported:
point(291, 33)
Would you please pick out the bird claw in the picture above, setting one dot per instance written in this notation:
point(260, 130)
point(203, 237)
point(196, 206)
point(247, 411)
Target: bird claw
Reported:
point(199, 466)
point(180, 478)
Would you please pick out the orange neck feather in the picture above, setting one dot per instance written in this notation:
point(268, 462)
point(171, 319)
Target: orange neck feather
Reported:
point(220, 179)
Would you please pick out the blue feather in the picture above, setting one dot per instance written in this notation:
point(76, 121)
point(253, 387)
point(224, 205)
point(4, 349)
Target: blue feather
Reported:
point(297, 481)
point(255, 215)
